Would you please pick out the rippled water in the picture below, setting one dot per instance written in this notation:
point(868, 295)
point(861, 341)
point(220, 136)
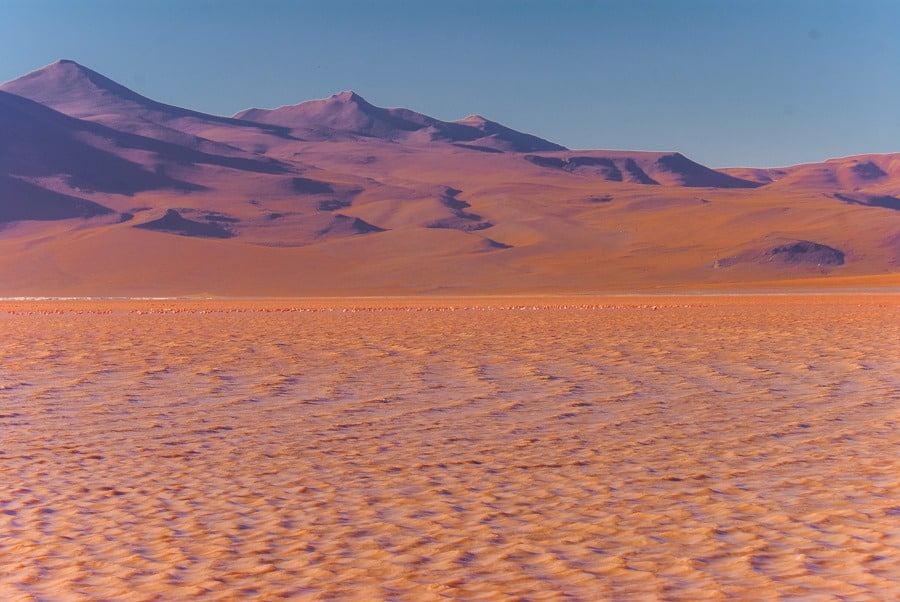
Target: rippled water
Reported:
point(690, 450)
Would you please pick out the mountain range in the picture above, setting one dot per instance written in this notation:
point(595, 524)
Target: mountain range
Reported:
point(104, 192)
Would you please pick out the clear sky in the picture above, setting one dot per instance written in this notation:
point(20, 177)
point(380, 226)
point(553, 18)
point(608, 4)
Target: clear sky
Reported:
point(726, 82)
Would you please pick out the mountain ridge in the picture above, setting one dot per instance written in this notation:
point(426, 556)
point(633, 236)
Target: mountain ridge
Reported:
point(80, 92)
point(122, 195)
point(63, 85)
point(348, 114)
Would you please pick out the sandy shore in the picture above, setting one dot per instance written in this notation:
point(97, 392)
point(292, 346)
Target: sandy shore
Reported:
point(622, 448)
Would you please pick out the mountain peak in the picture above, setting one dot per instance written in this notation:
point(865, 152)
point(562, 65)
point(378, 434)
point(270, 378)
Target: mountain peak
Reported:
point(349, 96)
point(66, 85)
point(65, 66)
point(57, 70)
point(344, 113)
point(347, 101)
point(347, 114)
point(80, 92)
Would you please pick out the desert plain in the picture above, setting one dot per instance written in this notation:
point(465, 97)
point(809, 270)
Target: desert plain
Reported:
point(335, 351)
point(691, 447)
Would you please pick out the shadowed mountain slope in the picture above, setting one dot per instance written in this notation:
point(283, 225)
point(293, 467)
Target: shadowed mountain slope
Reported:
point(672, 169)
point(105, 192)
point(80, 92)
point(36, 141)
point(21, 200)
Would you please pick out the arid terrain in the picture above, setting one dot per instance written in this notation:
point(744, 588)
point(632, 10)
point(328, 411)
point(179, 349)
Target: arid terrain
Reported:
point(334, 351)
point(620, 448)
point(104, 192)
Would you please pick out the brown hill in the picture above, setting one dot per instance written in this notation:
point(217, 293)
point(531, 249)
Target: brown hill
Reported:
point(338, 197)
point(673, 169)
point(349, 116)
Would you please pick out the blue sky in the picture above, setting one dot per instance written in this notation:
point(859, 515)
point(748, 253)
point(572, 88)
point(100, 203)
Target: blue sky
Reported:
point(726, 82)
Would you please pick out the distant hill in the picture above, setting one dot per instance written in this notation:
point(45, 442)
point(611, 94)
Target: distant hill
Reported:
point(348, 115)
point(106, 192)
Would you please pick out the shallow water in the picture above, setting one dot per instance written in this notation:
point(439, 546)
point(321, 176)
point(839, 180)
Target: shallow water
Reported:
point(683, 449)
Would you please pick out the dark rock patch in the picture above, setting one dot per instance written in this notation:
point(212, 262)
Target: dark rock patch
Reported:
point(458, 206)
point(345, 225)
point(888, 202)
point(552, 162)
point(215, 216)
point(868, 171)
point(173, 223)
point(463, 224)
point(310, 186)
point(804, 251)
point(497, 245)
point(848, 199)
point(637, 174)
point(483, 149)
point(333, 204)
point(885, 201)
point(603, 167)
point(793, 253)
point(460, 219)
point(448, 199)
